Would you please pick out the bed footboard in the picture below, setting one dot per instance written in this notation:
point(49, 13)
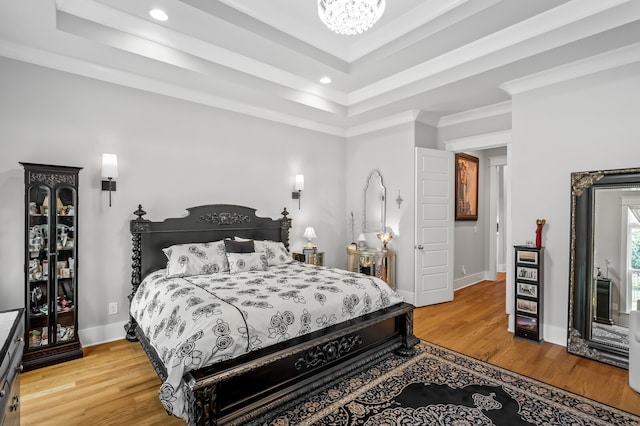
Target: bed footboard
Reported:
point(252, 390)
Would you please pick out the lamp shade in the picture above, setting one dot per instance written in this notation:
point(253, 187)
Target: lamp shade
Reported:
point(299, 185)
point(309, 232)
point(109, 166)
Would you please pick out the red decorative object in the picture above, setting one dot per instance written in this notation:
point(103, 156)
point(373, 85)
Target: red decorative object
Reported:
point(540, 223)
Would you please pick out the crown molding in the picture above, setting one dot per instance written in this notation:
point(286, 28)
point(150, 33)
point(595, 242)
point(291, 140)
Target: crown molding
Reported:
point(511, 41)
point(478, 142)
point(494, 110)
point(106, 16)
point(605, 61)
point(383, 123)
point(136, 81)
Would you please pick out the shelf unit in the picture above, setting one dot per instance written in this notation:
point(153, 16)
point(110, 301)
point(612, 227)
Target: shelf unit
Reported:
point(51, 265)
point(529, 282)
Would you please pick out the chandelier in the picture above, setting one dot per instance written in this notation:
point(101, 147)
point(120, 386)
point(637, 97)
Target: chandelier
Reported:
point(349, 17)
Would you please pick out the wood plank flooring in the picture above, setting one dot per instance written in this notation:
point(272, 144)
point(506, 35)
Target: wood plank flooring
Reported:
point(114, 384)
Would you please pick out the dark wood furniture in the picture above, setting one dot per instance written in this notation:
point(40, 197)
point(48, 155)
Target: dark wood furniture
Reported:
point(252, 386)
point(370, 261)
point(11, 348)
point(529, 273)
point(603, 301)
point(51, 264)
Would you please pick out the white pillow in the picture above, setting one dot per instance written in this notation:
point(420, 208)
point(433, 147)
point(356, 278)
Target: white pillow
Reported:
point(243, 262)
point(185, 260)
point(276, 252)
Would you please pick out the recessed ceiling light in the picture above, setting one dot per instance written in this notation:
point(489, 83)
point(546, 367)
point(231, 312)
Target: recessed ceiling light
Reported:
point(325, 80)
point(158, 14)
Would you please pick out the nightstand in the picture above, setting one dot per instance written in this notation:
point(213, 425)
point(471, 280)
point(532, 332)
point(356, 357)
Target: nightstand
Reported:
point(311, 258)
point(370, 261)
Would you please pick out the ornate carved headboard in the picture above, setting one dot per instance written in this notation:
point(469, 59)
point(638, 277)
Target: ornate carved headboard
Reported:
point(211, 222)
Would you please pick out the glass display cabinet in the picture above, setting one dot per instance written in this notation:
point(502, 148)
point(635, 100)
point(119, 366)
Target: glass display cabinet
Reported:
point(51, 265)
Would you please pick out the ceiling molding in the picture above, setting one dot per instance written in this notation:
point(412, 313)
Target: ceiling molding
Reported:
point(425, 13)
point(148, 84)
point(502, 108)
point(510, 38)
point(478, 142)
point(605, 61)
point(384, 123)
point(129, 24)
point(348, 48)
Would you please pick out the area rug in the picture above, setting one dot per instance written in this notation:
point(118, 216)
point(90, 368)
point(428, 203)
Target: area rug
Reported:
point(442, 387)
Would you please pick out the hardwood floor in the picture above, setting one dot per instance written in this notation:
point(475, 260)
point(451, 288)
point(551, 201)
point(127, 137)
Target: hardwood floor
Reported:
point(475, 324)
point(114, 384)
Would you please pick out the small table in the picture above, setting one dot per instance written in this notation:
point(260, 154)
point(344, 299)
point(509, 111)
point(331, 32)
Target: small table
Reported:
point(310, 258)
point(376, 262)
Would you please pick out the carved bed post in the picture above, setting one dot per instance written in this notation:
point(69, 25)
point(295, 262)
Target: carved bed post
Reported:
point(285, 225)
point(136, 227)
point(408, 339)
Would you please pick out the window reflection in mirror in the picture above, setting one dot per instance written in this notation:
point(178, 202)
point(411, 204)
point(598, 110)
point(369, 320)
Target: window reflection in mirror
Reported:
point(616, 264)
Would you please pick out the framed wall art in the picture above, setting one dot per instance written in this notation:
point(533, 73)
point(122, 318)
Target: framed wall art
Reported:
point(466, 187)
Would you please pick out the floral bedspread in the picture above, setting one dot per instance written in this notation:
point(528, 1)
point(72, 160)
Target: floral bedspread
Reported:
point(196, 321)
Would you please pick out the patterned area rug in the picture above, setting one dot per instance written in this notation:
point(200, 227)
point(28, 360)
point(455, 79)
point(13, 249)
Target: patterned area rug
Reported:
point(612, 335)
point(442, 387)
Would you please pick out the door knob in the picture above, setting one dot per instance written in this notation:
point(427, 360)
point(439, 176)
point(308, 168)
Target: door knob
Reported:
point(420, 247)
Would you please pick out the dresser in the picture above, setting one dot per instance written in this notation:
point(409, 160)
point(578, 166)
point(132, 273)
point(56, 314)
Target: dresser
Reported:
point(376, 262)
point(11, 347)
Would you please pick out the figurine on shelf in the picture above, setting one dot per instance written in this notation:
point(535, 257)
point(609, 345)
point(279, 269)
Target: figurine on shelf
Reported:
point(540, 223)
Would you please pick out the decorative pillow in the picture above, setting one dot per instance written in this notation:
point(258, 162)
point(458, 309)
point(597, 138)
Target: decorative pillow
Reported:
point(276, 252)
point(237, 246)
point(185, 260)
point(243, 262)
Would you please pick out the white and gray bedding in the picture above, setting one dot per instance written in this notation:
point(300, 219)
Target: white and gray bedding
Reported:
point(196, 321)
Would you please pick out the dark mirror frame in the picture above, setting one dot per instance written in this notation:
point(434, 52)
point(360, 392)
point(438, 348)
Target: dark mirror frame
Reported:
point(583, 185)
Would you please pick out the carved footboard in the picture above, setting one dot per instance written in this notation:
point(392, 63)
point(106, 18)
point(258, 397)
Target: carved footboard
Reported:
point(253, 387)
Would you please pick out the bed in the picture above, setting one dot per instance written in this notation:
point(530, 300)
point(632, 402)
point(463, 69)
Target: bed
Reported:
point(248, 387)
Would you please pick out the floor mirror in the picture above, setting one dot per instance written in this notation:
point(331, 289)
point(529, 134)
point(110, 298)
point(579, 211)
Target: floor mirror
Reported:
point(604, 283)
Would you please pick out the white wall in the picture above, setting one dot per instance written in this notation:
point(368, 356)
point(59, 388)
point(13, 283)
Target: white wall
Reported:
point(172, 155)
point(391, 151)
point(585, 124)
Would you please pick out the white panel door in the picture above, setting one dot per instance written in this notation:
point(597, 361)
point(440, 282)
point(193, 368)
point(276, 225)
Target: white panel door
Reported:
point(435, 171)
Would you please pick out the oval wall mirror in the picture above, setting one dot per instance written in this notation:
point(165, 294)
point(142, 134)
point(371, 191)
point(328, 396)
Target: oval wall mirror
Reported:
point(374, 203)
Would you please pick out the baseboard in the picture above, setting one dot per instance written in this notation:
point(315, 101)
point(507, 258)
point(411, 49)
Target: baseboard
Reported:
point(103, 334)
point(468, 280)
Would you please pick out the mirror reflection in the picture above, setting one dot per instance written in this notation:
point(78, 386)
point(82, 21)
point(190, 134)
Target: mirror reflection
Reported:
point(374, 203)
point(616, 259)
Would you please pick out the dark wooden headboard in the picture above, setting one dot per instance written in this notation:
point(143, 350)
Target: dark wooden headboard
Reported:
point(207, 223)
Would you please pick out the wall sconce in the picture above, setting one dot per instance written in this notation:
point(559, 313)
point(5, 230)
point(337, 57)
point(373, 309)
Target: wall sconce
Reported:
point(109, 172)
point(298, 188)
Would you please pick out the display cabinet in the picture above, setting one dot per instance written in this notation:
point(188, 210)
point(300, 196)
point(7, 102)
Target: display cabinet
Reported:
point(51, 265)
point(529, 281)
point(370, 261)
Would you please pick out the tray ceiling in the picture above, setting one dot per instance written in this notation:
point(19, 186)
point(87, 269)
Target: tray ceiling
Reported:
point(427, 58)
